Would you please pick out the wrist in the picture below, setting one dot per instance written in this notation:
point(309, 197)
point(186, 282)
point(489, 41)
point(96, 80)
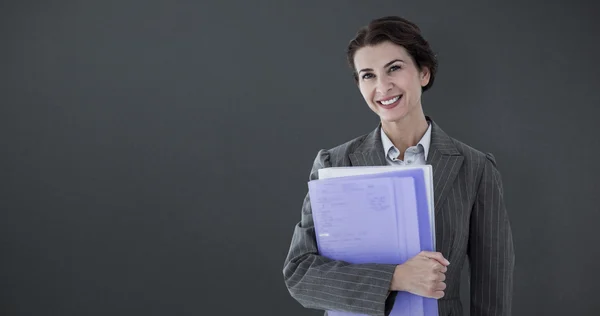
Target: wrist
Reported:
point(397, 279)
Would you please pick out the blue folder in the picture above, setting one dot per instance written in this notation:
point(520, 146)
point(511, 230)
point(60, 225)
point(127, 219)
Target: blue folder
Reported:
point(375, 218)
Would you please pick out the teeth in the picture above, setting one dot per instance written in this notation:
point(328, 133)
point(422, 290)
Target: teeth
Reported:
point(388, 102)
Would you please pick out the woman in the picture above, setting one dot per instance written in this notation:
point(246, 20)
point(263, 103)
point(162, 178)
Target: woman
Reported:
point(393, 65)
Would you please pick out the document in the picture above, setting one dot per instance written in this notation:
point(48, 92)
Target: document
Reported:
point(335, 172)
point(375, 217)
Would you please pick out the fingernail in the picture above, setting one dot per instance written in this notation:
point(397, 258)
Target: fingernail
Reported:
point(448, 262)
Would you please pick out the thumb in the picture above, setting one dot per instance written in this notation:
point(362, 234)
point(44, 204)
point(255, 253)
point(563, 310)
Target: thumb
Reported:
point(435, 256)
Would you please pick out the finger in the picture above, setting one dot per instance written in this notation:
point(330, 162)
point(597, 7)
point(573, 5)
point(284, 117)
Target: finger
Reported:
point(437, 267)
point(440, 286)
point(435, 256)
point(441, 277)
point(435, 291)
point(438, 294)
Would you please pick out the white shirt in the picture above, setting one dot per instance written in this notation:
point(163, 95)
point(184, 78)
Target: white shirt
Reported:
point(413, 155)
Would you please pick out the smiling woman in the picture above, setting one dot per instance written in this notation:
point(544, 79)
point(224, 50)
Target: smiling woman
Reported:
point(393, 65)
point(391, 83)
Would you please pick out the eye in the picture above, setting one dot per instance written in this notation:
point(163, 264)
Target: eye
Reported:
point(394, 68)
point(367, 76)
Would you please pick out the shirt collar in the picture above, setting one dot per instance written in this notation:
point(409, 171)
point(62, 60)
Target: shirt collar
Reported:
point(424, 142)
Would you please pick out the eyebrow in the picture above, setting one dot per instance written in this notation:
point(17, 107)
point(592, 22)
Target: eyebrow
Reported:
point(386, 65)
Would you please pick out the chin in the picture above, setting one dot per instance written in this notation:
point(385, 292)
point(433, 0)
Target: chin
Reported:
point(393, 117)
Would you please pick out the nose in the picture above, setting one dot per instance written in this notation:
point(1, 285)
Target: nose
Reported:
point(384, 84)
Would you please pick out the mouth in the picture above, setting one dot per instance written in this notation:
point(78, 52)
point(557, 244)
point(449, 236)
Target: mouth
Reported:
point(390, 102)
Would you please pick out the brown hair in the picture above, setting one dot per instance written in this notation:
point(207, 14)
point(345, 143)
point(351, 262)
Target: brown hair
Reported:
point(400, 32)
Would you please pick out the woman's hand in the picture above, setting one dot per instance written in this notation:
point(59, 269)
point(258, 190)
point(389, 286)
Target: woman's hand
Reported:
point(423, 274)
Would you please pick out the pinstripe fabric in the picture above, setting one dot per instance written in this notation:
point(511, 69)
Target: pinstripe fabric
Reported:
point(471, 222)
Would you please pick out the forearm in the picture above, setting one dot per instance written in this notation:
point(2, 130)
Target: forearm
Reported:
point(334, 285)
point(321, 283)
point(492, 279)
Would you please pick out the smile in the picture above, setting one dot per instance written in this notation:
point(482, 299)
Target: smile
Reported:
point(390, 103)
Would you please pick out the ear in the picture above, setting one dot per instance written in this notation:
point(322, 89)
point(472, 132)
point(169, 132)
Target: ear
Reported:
point(424, 75)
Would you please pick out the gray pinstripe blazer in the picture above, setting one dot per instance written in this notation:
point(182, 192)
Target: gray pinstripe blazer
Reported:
point(471, 222)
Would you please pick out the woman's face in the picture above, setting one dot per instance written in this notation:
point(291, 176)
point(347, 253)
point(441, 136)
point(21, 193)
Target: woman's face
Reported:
point(389, 80)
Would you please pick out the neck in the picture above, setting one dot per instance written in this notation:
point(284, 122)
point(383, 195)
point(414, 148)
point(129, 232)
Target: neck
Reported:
point(406, 132)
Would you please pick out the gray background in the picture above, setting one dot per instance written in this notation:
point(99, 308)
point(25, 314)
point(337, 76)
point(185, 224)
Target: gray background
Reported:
point(155, 153)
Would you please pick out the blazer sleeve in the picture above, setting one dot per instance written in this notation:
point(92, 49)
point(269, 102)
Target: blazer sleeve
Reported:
point(490, 248)
point(321, 283)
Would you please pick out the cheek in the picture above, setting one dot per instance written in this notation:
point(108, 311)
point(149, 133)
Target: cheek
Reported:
point(403, 81)
point(410, 86)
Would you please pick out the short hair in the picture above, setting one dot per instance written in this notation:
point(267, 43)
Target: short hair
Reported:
point(400, 32)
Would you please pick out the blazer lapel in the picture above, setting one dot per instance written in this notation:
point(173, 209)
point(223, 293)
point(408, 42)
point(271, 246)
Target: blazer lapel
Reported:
point(445, 161)
point(370, 152)
point(443, 156)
